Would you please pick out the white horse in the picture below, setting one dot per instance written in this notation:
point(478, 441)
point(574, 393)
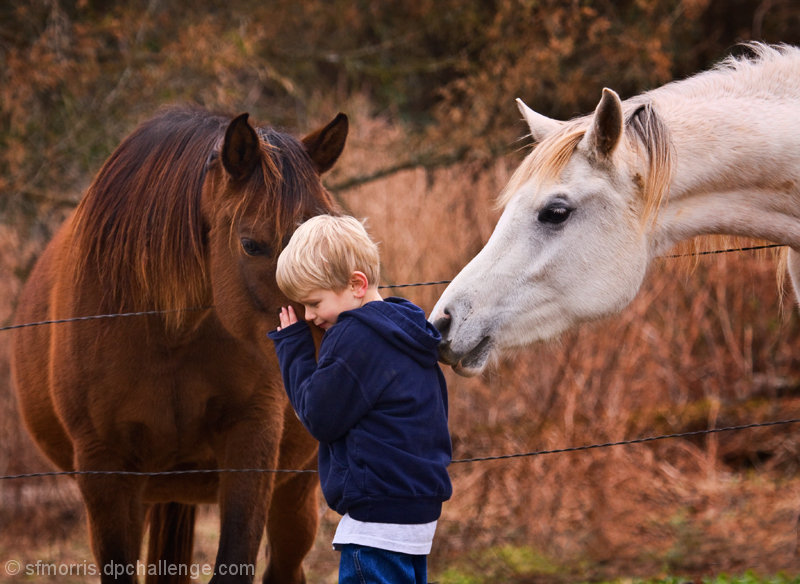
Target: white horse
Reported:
point(602, 195)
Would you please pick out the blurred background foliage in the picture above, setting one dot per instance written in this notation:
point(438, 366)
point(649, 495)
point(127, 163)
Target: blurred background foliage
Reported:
point(76, 76)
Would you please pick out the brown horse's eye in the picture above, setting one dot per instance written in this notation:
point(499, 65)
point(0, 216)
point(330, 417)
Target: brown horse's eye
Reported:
point(253, 248)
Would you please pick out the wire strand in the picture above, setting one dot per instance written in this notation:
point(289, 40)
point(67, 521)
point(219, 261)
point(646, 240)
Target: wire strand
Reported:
point(456, 461)
point(415, 284)
point(99, 316)
point(719, 251)
point(385, 286)
point(626, 442)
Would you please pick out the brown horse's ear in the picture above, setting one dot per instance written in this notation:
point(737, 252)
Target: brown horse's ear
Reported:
point(326, 144)
point(606, 129)
point(241, 149)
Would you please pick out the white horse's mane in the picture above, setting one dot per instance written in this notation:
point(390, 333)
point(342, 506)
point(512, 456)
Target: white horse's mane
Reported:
point(759, 73)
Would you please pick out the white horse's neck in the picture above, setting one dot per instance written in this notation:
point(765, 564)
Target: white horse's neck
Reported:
point(736, 154)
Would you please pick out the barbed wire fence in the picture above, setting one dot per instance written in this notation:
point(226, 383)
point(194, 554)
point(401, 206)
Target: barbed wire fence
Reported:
point(518, 455)
point(456, 461)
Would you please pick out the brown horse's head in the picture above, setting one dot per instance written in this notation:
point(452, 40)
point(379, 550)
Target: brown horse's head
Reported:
point(192, 209)
point(260, 185)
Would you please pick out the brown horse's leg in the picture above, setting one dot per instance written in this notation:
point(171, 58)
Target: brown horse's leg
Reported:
point(243, 497)
point(116, 517)
point(293, 512)
point(243, 518)
point(291, 528)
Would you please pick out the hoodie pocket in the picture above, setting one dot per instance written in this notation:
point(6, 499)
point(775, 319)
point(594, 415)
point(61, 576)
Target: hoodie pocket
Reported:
point(335, 479)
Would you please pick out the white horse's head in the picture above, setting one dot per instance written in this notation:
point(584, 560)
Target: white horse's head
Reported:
point(572, 242)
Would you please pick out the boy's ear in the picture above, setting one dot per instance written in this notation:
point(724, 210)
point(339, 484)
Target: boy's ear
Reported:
point(359, 283)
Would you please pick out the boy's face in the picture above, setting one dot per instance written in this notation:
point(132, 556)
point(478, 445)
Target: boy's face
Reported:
point(323, 307)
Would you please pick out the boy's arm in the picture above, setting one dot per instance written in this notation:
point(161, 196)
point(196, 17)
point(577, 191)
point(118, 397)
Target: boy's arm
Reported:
point(328, 397)
point(294, 346)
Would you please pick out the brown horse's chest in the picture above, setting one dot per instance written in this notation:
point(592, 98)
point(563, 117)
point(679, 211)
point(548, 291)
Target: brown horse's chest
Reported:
point(169, 405)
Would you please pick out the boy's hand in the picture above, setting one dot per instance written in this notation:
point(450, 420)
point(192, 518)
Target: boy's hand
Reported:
point(288, 317)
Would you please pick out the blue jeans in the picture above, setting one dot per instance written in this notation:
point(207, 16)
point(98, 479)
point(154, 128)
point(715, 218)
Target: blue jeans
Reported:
point(367, 565)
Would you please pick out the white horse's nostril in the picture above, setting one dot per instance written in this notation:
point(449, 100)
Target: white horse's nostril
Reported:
point(442, 323)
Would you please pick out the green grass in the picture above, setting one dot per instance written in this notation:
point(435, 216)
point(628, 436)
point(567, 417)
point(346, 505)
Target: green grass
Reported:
point(457, 577)
point(500, 564)
point(746, 578)
point(523, 565)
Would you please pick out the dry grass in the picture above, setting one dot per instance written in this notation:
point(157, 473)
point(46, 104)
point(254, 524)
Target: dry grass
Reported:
point(700, 347)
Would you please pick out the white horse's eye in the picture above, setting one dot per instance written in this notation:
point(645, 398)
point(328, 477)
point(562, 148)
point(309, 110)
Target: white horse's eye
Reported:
point(555, 213)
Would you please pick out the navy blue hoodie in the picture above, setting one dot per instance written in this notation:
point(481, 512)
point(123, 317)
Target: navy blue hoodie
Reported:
point(377, 402)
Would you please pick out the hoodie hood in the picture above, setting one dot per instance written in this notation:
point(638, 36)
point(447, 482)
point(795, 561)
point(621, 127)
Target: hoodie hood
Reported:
point(403, 325)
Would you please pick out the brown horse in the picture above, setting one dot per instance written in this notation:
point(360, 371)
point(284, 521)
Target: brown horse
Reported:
point(187, 216)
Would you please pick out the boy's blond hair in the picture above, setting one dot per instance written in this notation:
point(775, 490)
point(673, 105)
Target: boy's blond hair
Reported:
point(323, 253)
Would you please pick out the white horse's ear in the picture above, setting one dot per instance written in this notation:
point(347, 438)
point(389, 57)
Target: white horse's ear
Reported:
point(606, 129)
point(541, 126)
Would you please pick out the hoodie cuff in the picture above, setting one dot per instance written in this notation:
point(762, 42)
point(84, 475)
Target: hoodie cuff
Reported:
point(298, 328)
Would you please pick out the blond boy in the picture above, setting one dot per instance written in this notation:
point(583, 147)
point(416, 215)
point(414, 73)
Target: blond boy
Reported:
point(375, 399)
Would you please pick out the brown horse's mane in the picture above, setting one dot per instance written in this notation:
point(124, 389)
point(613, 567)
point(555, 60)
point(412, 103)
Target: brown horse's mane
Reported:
point(140, 227)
